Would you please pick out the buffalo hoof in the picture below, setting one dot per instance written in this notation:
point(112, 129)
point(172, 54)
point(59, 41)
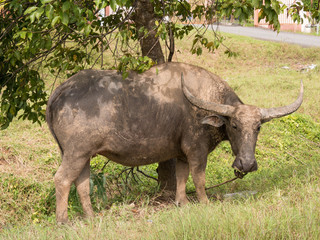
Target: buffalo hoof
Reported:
point(181, 202)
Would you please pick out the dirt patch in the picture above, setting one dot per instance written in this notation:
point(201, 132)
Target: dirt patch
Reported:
point(7, 156)
point(3, 161)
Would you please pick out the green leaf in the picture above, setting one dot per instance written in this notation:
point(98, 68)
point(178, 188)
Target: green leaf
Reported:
point(238, 12)
point(275, 18)
point(32, 17)
point(256, 3)
point(66, 6)
point(49, 12)
point(113, 5)
point(267, 3)
point(97, 2)
point(65, 19)
point(38, 13)
point(30, 10)
point(199, 51)
point(120, 2)
point(87, 30)
point(195, 41)
point(90, 15)
point(23, 34)
point(125, 75)
point(270, 16)
point(45, 1)
point(13, 110)
point(55, 20)
point(30, 35)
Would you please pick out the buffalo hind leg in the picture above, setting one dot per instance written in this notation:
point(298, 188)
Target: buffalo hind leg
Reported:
point(182, 174)
point(67, 173)
point(83, 188)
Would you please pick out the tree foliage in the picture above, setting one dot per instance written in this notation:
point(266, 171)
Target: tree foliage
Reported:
point(65, 36)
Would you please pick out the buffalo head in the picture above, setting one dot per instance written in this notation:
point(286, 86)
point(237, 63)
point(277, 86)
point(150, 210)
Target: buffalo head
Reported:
point(242, 123)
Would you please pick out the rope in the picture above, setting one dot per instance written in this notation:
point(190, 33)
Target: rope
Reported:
point(231, 180)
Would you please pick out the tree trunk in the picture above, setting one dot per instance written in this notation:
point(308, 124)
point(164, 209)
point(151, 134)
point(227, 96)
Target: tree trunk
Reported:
point(145, 17)
point(150, 46)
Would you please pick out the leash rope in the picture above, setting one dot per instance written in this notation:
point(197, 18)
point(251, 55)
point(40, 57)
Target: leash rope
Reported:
point(217, 185)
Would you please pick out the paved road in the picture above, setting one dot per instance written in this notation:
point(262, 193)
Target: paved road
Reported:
point(267, 34)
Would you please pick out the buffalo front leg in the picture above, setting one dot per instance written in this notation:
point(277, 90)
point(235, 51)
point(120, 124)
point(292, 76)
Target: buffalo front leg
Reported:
point(83, 187)
point(182, 174)
point(67, 173)
point(199, 178)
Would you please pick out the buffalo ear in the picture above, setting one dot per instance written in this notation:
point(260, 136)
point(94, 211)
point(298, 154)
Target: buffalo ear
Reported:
point(214, 120)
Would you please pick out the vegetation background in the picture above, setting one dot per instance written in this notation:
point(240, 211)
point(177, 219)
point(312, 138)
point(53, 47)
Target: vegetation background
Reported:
point(279, 201)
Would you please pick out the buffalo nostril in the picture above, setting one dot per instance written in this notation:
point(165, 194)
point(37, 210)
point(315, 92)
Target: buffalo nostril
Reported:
point(245, 165)
point(237, 166)
point(254, 167)
point(251, 167)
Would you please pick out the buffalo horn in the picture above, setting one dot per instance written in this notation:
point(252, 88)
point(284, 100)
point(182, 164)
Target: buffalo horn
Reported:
point(270, 113)
point(220, 109)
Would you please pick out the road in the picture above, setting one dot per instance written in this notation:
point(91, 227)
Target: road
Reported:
point(269, 35)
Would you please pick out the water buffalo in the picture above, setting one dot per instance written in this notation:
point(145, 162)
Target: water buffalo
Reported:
point(174, 110)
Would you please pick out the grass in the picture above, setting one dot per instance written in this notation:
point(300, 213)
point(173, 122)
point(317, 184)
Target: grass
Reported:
point(287, 183)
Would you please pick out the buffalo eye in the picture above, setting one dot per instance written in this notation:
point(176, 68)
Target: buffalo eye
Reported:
point(234, 126)
point(259, 128)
